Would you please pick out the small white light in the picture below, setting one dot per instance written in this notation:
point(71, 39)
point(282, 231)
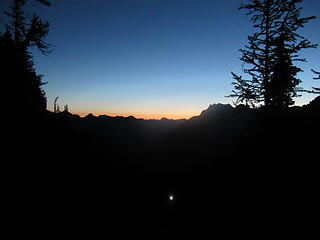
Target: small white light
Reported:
point(171, 197)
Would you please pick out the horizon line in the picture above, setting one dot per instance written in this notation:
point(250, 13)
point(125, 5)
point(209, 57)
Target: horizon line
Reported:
point(156, 116)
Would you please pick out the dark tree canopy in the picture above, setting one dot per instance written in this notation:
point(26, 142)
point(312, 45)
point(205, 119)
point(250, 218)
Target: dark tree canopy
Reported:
point(271, 53)
point(21, 82)
point(283, 82)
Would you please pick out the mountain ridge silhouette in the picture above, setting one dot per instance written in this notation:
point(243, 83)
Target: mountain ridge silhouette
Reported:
point(235, 171)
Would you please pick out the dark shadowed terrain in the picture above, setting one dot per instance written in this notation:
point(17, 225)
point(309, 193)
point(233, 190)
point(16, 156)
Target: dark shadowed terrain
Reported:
point(234, 173)
point(229, 173)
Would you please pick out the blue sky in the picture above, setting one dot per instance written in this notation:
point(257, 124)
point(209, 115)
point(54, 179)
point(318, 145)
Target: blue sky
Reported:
point(149, 58)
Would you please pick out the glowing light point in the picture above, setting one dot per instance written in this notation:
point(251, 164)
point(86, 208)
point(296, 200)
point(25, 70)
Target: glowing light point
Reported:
point(171, 197)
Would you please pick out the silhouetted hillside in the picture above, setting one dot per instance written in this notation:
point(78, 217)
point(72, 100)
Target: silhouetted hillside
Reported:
point(234, 172)
point(124, 129)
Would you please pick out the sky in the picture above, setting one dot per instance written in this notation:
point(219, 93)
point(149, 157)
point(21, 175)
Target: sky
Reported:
point(150, 58)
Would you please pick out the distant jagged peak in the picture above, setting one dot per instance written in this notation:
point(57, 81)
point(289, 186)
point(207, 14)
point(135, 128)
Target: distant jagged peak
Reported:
point(89, 116)
point(131, 117)
point(105, 117)
point(164, 119)
point(217, 108)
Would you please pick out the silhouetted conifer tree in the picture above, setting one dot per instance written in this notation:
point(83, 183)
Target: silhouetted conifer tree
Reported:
point(315, 89)
point(22, 85)
point(66, 108)
point(283, 82)
point(270, 53)
point(56, 106)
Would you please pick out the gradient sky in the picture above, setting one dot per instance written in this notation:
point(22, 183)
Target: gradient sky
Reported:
point(149, 58)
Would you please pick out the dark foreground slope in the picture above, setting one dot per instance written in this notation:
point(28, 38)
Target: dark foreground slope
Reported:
point(234, 173)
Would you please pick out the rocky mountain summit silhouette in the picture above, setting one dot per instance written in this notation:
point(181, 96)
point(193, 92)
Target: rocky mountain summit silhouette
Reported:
point(216, 109)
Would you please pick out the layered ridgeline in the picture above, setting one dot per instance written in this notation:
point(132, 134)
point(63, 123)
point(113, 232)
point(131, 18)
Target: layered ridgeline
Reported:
point(233, 171)
point(218, 133)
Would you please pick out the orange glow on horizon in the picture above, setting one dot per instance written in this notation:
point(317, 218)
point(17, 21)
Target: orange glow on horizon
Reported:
point(146, 116)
